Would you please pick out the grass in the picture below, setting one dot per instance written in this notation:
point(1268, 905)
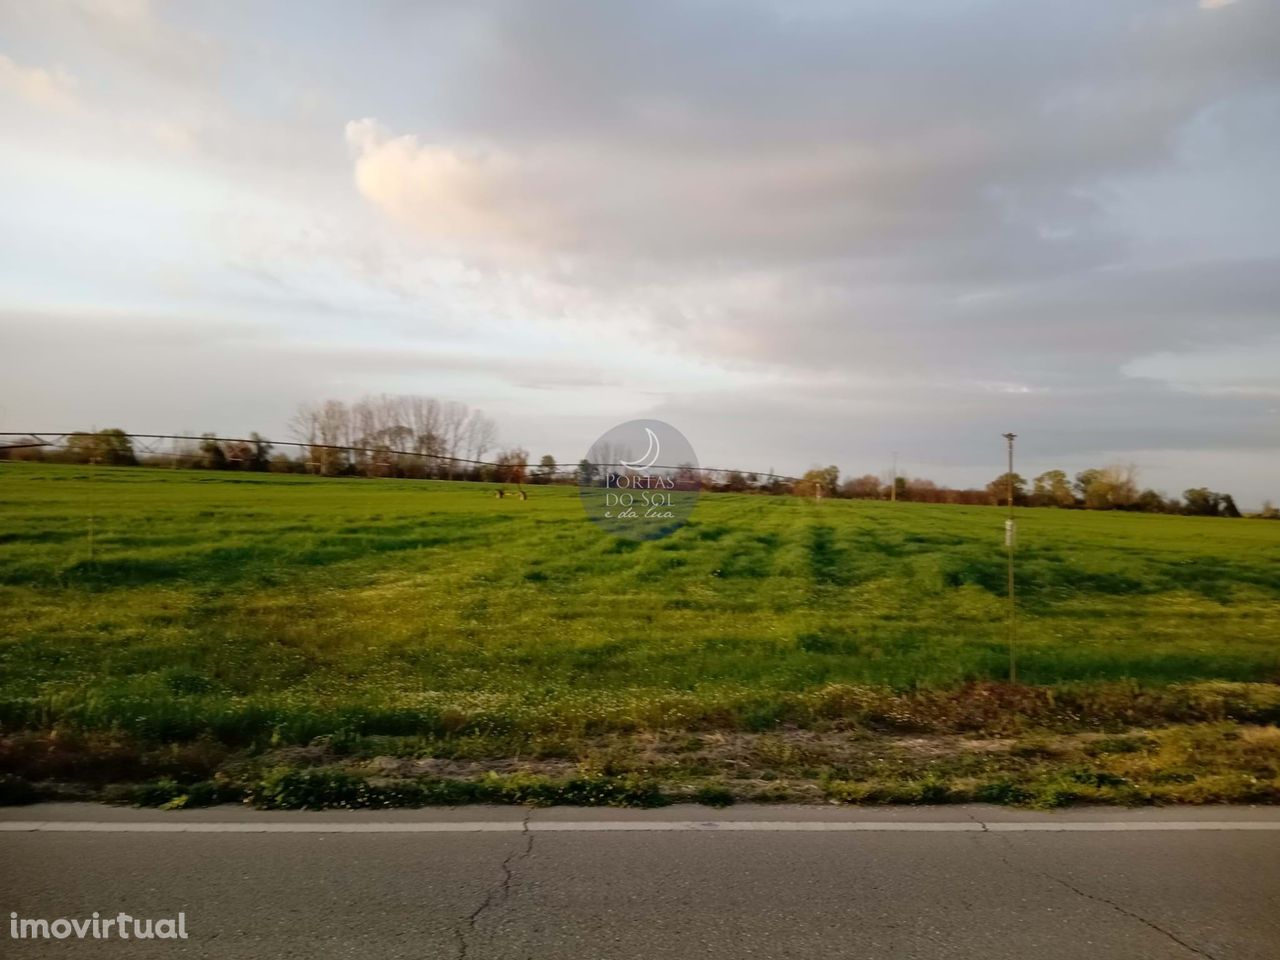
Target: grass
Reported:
point(250, 613)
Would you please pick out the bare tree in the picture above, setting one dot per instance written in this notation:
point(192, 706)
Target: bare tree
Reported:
point(385, 434)
point(513, 466)
point(481, 434)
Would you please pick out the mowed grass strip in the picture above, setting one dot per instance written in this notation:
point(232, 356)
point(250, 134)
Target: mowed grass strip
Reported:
point(244, 607)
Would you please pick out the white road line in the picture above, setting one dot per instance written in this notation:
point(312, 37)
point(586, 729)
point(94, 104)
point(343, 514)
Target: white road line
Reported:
point(633, 826)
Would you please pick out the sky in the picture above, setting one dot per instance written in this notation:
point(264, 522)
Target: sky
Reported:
point(802, 233)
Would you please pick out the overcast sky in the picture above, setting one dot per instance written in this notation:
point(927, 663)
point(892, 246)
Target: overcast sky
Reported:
point(800, 232)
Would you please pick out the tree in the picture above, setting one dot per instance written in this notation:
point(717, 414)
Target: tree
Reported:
point(819, 482)
point(1201, 502)
point(688, 477)
point(546, 469)
point(921, 490)
point(1053, 489)
point(259, 453)
point(23, 448)
point(480, 434)
point(1111, 488)
point(512, 466)
point(586, 472)
point(1269, 511)
point(1084, 479)
point(1098, 494)
point(1149, 501)
point(212, 456)
point(437, 434)
point(1123, 481)
point(238, 454)
point(998, 489)
point(866, 487)
point(112, 447)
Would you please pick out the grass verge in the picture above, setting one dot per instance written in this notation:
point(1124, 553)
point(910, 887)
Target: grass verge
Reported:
point(1228, 752)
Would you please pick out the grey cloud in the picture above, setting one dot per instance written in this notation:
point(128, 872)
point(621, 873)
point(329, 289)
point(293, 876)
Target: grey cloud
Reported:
point(921, 220)
point(711, 132)
point(885, 168)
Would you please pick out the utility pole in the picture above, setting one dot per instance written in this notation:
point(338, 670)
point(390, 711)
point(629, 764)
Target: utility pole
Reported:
point(1010, 538)
point(893, 482)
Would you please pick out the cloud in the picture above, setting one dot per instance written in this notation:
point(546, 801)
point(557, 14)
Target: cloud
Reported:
point(870, 143)
point(468, 195)
point(612, 200)
point(879, 183)
point(801, 226)
point(54, 88)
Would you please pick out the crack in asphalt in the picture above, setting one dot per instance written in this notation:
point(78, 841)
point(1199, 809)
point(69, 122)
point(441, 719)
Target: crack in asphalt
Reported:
point(496, 894)
point(499, 893)
point(1129, 913)
point(1123, 911)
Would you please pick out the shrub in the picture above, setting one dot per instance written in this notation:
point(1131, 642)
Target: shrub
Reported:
point(284, 789)
point(15, 791)
point(713, 796)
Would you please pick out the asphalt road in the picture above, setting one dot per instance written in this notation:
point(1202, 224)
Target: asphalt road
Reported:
point(679, 883)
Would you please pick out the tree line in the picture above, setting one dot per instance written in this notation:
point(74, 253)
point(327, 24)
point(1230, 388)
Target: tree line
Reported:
point(385, 436)
point(1097, 488)
point(418, 437)
point(394, 436)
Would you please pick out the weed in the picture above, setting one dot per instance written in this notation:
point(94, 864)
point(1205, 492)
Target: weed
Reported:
point(713, 795)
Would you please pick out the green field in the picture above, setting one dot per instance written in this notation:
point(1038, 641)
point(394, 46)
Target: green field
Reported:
point(252, 612)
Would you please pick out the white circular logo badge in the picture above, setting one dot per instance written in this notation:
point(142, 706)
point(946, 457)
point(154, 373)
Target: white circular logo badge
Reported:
point(640, 480)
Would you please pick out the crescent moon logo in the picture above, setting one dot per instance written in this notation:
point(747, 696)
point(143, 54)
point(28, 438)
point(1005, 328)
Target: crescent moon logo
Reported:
point(638, 498)
point(650, 456)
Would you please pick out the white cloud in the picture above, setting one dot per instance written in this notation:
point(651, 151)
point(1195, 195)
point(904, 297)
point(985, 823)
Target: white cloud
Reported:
point(468, 195)
point(54, 88)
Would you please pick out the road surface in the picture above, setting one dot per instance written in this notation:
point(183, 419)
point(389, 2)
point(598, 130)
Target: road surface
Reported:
point(803, 882)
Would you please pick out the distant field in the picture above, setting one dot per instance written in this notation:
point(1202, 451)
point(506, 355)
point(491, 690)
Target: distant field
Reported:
point(243, 607)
